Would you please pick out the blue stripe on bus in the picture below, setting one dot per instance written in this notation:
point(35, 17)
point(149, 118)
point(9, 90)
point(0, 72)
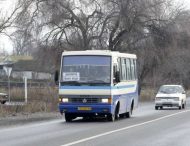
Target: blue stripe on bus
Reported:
point(96, 87)
point(85, 87)
point(123, 87)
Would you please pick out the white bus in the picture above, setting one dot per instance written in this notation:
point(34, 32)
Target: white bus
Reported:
point(97, 83)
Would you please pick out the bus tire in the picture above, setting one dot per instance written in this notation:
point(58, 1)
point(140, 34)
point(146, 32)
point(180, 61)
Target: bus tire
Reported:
point(115, 116)
point(111, 117)
point(117, 112)
point(68, 117)
point(122, 115)
point(129, 114)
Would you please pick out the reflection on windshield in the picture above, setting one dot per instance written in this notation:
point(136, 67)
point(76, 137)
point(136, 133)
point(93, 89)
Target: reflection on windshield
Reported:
point(170, 89)
point(79, 70)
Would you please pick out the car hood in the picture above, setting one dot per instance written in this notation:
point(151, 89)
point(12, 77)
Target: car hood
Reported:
point(3, 94)
point(168, 95)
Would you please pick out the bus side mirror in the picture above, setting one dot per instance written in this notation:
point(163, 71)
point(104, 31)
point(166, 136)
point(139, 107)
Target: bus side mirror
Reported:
point(56, 77)
point(117, 76)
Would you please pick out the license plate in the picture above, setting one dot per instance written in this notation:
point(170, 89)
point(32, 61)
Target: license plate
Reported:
point(84, 108)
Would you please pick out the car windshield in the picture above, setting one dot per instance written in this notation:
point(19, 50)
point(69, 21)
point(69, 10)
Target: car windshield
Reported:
point(86, 70)
point(170, 89)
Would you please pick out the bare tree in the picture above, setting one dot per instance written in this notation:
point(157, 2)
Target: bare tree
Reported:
point(65, 22)
point(136, 26)
point(23, 42)
point(8, 21)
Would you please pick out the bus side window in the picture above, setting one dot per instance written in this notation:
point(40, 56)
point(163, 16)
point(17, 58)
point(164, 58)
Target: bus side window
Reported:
point(114, 73)
point(128, 69)
point(132, 69)
point(114, 69)
point(135, 68)
point(119, 67)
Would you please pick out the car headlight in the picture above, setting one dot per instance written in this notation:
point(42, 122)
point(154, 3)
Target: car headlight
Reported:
point(65, 100)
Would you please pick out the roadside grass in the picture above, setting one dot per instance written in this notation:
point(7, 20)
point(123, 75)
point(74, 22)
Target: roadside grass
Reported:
point(147, 94)
point(16, 58)
point(39, 100)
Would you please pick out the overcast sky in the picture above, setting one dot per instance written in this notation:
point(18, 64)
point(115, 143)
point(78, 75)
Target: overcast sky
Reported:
point(5, 8)
point(7, 5)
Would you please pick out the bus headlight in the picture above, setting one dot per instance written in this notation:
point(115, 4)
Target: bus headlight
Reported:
point(65, 100)
point(105, 100)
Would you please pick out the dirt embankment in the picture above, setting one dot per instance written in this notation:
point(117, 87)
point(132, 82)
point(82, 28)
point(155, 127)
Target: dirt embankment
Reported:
point(42, 105)
point(26, 118)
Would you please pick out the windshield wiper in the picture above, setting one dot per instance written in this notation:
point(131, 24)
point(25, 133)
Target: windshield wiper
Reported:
point(96, 81)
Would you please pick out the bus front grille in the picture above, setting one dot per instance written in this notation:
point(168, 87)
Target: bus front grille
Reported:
point(84, 100)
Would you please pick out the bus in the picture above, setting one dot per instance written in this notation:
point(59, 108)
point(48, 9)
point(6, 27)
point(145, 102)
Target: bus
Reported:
point(98, 83)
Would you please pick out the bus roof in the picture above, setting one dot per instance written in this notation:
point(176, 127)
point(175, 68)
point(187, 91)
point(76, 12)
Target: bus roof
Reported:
point(99, 52)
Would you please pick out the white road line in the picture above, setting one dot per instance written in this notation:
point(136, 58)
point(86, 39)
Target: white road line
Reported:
point(122, 129)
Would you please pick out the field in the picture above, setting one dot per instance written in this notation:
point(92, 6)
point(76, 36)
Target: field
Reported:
point(39, 100)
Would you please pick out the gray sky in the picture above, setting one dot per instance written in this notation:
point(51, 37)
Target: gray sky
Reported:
point(7, 5)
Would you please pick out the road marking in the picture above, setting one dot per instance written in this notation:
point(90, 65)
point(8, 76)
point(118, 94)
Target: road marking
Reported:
point(122, 129)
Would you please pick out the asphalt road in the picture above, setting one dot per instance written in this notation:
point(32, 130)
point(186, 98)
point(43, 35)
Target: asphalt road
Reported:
point(147, 127)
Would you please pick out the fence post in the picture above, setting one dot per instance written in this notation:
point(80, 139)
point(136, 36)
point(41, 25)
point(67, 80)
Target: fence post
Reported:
point(25, 89)
point(9, 88)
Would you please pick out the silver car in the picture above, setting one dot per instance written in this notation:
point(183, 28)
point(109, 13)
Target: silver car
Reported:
point(170, 96)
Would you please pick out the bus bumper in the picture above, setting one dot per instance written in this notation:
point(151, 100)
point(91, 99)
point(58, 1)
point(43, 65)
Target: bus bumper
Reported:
point(88, 109)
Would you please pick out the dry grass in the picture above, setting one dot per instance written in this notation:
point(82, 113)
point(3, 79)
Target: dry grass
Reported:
point(39, 100)
point(16, 58)
point(147, 94)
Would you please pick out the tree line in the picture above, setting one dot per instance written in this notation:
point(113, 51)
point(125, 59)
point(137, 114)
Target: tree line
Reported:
point(158, 31)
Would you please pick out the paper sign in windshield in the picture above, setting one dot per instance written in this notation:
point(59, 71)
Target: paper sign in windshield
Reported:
point(71, 76)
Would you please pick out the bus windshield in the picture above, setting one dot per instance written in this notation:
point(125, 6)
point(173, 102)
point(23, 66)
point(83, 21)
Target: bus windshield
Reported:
point(86, 70)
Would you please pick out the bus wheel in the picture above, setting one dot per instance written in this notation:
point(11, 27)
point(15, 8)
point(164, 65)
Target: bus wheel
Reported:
point(115, 116)
point(128, 114)
point(68, 117)
point(122, 115)
point(111, 117)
